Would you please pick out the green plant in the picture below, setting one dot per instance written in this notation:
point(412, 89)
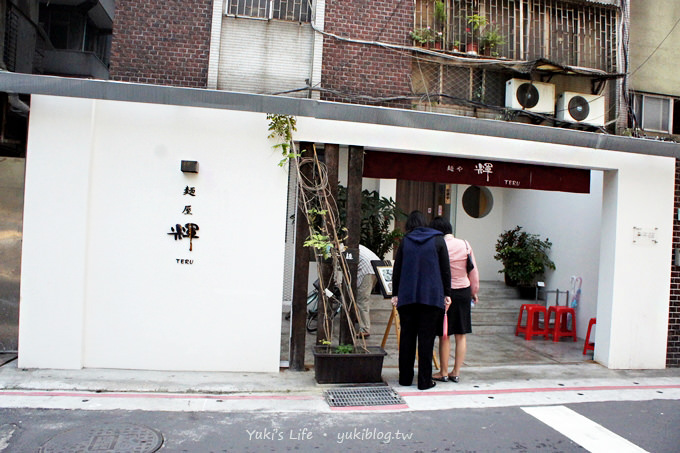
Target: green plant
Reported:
point(377, 214)
point(492, 39)
point(524, 256)
point(476, 21)
point(344, 349)
point(423, 35)
point(281, 128)
point(440, 14)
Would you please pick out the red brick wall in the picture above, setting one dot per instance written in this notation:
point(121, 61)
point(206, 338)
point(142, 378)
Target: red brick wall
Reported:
point(362, 69)
point(161, 42)
point(673, 353)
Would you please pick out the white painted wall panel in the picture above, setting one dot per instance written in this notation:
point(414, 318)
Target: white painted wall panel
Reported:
point(55, 234)
point(258, 56)
point(572, 222)
point(101, 287)
point(142, 309)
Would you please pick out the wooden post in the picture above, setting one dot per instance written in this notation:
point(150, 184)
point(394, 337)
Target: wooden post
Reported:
point(331, 159)
point(300, 283)
point(354, 178)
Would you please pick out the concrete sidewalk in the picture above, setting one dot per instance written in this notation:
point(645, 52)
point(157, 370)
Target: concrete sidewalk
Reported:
point(502, 370)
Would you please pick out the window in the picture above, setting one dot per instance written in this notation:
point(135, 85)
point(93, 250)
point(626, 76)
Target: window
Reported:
point(654, 113)
point(292, 10)
point(477, 201)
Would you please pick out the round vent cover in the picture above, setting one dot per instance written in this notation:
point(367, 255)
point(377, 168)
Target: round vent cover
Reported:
point(527, 95)
point(579, 108)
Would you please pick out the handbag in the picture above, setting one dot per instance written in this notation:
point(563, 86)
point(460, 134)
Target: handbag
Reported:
point(470, 265)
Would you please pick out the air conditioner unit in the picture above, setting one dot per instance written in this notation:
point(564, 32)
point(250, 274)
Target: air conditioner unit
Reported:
point(531, 96)
point(581, 108)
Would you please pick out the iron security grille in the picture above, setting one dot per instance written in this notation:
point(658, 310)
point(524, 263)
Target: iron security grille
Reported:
point(362, 396)
point(567, 32)
point(292, 10)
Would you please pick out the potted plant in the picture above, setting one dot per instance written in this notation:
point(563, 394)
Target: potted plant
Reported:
point(476, 22)
point(423, 36)
point(524, 257)
point(346, 363)
point(321, 213)
point(377, 214)
point(491, 40)
point(456, 46)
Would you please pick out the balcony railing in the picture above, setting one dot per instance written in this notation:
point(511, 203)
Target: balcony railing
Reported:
point(291, 10)
point(565, 32)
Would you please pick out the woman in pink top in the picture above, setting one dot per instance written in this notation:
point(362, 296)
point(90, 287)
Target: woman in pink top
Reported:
point(464, 289)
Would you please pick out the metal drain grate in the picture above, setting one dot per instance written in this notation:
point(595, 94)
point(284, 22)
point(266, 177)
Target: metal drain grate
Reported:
point(362, 396)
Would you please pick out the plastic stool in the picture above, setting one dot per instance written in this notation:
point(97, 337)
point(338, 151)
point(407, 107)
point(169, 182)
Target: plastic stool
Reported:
point(588, 346)
point(560, 329)
point(532, 326)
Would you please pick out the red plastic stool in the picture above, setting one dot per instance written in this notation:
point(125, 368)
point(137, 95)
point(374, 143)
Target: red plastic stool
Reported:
point(532, 326)
point(560, 328)
point(588, 346)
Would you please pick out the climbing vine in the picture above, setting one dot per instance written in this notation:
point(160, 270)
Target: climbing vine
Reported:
point(281, 128)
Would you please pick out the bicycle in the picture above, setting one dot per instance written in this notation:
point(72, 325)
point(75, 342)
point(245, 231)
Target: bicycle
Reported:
point(333, 297)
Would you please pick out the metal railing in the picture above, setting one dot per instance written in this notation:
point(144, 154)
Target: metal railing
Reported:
point(565, 32)
point(291, 10)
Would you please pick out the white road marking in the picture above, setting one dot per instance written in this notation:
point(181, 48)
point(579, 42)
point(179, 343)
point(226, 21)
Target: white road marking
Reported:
point(585, 432)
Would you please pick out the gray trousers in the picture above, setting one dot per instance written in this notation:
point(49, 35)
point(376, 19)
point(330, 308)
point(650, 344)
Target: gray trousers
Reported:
point(364, 300)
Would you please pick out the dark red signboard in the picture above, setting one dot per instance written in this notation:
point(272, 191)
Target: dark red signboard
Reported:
point(475, 172)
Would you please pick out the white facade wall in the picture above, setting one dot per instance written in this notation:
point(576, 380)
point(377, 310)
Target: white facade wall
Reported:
point(101, 286)
point(572, 222)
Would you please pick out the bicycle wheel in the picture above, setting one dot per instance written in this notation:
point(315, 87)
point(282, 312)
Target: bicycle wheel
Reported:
point(312, 322)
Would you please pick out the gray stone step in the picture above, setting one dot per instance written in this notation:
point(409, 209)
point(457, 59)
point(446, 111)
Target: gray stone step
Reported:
point(495, 313)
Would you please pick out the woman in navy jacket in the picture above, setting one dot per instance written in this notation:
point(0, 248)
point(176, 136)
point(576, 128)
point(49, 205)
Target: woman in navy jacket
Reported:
point(421, 292)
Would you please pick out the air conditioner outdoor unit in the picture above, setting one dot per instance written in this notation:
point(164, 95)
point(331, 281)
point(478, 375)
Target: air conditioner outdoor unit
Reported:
point(531, 96)
point(581, 108)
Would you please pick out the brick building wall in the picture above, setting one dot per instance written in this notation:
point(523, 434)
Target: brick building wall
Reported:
point(353, 69)
point(161, 42)
point(673, 352)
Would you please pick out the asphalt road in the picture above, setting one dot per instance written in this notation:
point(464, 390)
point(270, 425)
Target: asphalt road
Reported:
point(603, 426)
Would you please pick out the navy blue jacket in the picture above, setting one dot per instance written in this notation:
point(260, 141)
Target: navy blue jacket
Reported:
point(422, 274)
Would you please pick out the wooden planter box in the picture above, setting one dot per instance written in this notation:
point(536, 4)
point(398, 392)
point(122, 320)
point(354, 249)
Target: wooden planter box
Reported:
point(356, 368)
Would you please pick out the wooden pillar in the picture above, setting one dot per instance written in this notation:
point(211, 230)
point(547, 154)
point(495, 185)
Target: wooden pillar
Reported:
point(300, 282)
point(354, 178)
point(331, 159)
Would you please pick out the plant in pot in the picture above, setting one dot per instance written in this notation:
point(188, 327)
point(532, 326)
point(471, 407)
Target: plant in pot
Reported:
point(423, 36)
point(377, 214)
point(475, 22)
point(491, 40)
point(345, 363)
point(440, 18)
point(524, 257)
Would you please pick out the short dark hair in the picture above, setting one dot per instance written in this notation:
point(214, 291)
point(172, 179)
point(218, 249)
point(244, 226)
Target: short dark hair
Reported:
point(441, 224)
point(415, 219)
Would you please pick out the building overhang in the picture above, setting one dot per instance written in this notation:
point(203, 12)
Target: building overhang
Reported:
point(195, 97)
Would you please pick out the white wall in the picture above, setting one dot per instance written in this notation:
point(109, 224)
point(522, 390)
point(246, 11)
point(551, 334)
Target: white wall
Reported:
point(572, 222)
point(258, 56)
point(482, 233)
point(101, 286)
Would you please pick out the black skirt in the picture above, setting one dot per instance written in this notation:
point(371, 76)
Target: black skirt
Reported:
point(459, 320)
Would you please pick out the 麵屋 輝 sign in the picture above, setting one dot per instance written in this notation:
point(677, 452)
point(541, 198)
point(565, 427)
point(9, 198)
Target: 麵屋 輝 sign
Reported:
point(475, 172)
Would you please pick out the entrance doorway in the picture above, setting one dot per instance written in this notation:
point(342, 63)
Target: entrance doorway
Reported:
point(431, 198)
